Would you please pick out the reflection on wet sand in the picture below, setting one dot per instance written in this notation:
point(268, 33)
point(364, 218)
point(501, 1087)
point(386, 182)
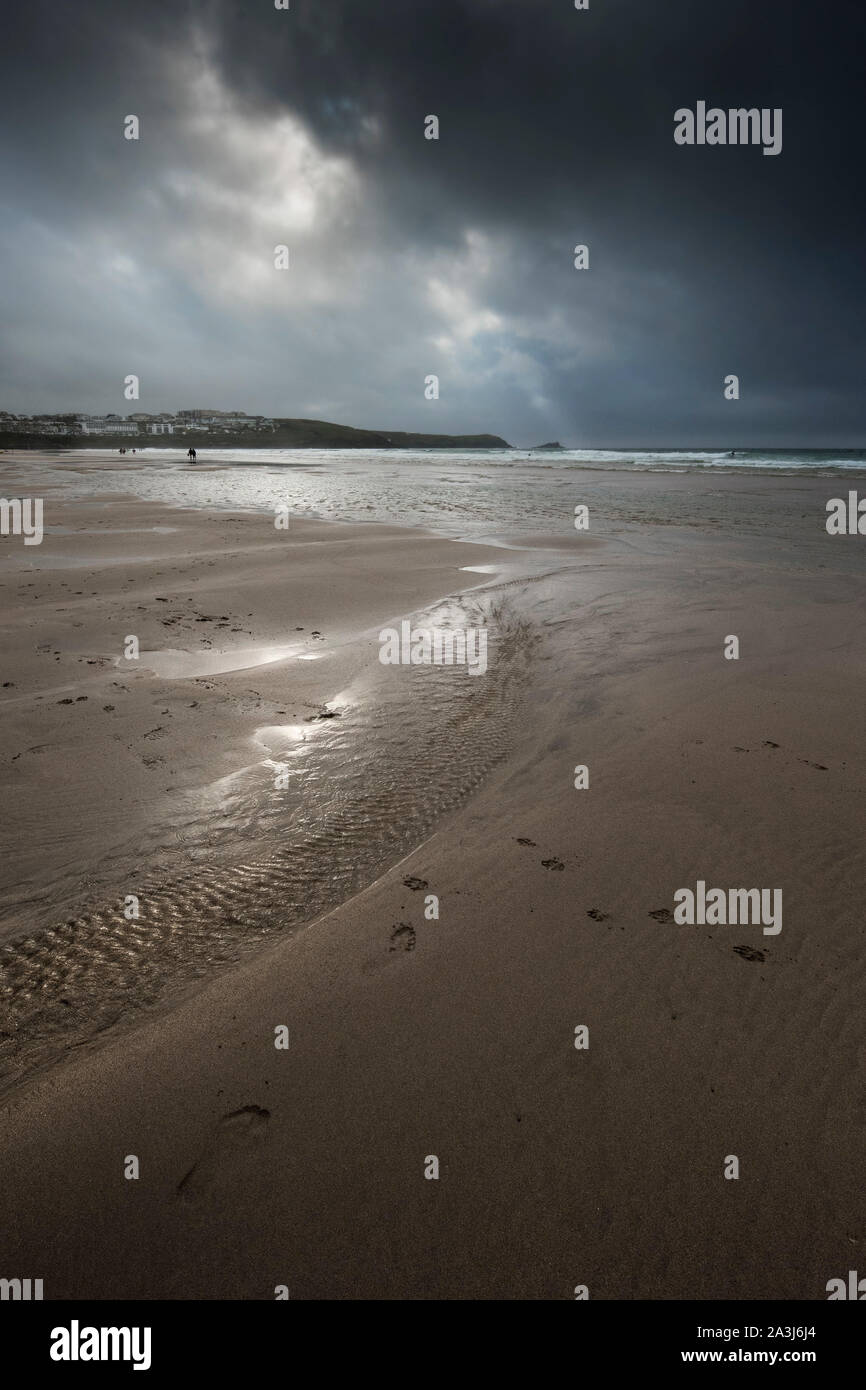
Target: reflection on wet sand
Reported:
point(364, 781)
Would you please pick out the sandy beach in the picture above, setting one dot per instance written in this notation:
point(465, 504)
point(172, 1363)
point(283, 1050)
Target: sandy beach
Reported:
point(432, 616)
point(411, 1036)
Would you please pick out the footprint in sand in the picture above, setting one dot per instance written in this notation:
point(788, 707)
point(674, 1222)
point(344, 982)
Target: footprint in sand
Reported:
point(597, 915)
point(416, 884)
point(749, 953)
point(552, 864)
point(231, 1143)
point(662, 914)
point(402, 938)
point(522, 840)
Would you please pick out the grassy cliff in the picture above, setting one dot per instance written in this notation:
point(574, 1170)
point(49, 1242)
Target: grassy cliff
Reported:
point(288, 434)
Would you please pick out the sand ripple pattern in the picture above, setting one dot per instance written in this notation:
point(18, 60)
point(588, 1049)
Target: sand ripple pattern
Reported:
point(362, 801)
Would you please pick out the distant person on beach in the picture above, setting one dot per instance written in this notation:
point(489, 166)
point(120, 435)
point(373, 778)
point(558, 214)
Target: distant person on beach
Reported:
point(191, 454)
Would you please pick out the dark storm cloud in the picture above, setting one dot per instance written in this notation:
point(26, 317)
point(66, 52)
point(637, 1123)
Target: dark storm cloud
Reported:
point(454, 257)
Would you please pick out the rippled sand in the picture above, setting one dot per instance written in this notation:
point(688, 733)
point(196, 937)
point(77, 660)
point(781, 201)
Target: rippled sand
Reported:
point(449, 1035)
point(220, 864)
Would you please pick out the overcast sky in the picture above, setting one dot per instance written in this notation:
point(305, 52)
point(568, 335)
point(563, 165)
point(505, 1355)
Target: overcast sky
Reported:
point(454, 257)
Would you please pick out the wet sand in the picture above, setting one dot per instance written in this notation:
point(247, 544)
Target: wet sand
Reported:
point(238, 776)
point(454, 1038)
point(240, 628)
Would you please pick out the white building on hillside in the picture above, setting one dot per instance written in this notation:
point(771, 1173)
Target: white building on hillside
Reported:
point(106, 424)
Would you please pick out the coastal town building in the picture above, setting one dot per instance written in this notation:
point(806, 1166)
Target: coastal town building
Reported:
point(140, 423)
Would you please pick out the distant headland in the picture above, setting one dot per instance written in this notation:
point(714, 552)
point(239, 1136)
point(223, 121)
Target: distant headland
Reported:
point(215, 429)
